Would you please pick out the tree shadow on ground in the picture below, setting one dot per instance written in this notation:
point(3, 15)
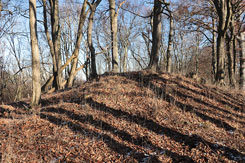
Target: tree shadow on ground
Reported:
point(163, 92)
point(235, 108)
point(113, 144)
point(21, 105)
point(191, 141)
point(13, 114)
point(224, 97)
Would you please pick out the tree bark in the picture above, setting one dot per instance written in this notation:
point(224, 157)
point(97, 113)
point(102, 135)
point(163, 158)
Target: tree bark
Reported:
point(1, 6)
point(230, 56)
point(224, 11)
point(125, 56)
point(170, 43)
point(89, 38)
point(156, 36)
point(113, 18)
point(82, 19)
point(36, 77)
point(56, 34)
point(75, 53)
point(54, 40)
point(242, 60)
point(197, 55)
point(214, 50)
point(220, 75)
point(234, 43)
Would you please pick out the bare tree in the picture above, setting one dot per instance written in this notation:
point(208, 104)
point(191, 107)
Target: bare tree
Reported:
point(54, 40)
point(36, 93)
point(170, 37)
point(93, 7)
point(75, 53)
point(128, 31)
point(113, 19)
point(156, 36)
point(74, 56)
point(7, 17)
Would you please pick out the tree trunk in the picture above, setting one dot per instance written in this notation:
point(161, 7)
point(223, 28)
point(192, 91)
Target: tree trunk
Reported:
point(56, 34)
point(234, 43)
point(54, 43)
point(108, 61)
point(75, 53)
point(36, 77)
point(224, 11)
point(242, 60)
point(170, 42)
point(230, 61)
point(50, 43)
point(156, 36)
point(89, 38)
point(220, 73)
point(113, 18)
point(1, 6)
point(2, 80)
point(125, 57)
point(214, 51)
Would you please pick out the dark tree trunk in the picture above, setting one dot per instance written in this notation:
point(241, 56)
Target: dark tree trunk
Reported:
point(230, 61)
point(56, 34)
point(156, 36)
point(220, 74)
point(224, 11)
point(170, 43)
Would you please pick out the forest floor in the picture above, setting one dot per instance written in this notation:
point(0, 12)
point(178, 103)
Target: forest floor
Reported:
point(127, 117)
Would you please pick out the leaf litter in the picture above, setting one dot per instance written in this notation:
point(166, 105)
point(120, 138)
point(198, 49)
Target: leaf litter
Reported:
point(127, 117)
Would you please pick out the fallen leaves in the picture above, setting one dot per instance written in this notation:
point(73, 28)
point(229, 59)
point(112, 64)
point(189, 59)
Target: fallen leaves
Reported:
point(128, 117)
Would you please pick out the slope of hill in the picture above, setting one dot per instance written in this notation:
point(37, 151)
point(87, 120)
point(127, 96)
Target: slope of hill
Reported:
point(128, 117)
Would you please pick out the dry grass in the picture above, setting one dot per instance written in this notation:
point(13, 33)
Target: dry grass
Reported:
point(129, 117)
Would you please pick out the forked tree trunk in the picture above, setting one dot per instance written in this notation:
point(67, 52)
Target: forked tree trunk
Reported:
point(93, 7)
point(56, 34)
point(224, 11)
point(36, 86)
point(75, 53)
point(54, 43)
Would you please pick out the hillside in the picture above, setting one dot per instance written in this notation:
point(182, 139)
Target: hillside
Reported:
point(128, 117)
